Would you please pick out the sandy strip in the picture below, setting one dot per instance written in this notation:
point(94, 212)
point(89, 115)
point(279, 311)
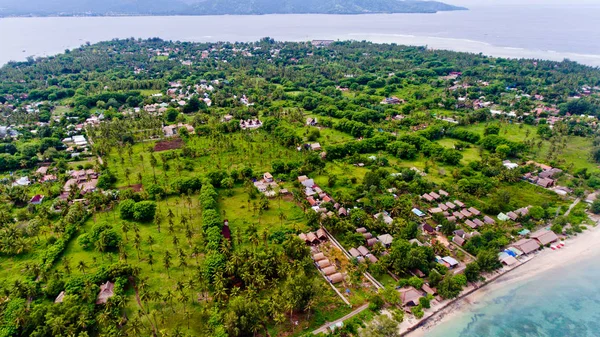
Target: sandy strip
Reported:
point(578, 248)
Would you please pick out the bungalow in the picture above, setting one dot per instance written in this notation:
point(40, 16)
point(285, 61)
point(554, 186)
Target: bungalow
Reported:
point(410, 297)
point(427, 197)
point(48, 178)
point(321, 235)
point(443, 193)
point(434, 195)
point(435, 210)
point(430, 291)
point(268, 177)
point(106, 292)
point(371, 242)
point(372, 258)
point(354, 252)
point(466, 213)
point(459, 204)
point(478, 222)
point(418, 212)
point(443, 207)
point(386, 240)
point(451, 218)
point(512, 215)
point(450, 205)
point(458, 240)
point(335, 278)
point(427, 228)
point(367, 236)
point(474, 211)
point(311, 238)
point(488, 220)
point(318, 257)
point(311, 121)
point(459, 232)
point(37, 199)
point(450, 261)
point(503, 217)
point(526, 245)
point(471, 224)
point(342, 212)
point(544, 237)
point(323, 264)
point(315, 146)
point(60, 298)
point(301, 179)
point(458, 215)
point(329, 270)
point(508, 260)
point(363, 251)
point(545, 182)
point(361, 230)
point(42, 170)
point(23, 181)
point(385, 217)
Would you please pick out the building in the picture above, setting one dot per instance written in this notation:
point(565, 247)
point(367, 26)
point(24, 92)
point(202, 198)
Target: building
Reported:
point(106, 292)
point(526, 245)
point(173, 130)
point(458, 240)
point(268, 177)
point(329, 270)
point(544, 237)
point(410, 296)
point(37, 199)
point(384, 217)
point(386, 240)
point(335, 278)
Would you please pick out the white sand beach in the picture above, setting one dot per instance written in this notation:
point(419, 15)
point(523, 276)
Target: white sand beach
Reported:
point(580, 247)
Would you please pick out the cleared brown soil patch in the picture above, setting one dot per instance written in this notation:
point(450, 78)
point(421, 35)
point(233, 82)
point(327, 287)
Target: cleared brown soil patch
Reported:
point(166, 145)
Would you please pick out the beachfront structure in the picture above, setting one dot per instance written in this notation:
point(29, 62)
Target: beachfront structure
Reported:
point(410, 296)
point(526, 246)
point(544, 237)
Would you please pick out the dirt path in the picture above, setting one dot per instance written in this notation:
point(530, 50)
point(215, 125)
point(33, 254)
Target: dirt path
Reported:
point(350, 315)
point(572, 206)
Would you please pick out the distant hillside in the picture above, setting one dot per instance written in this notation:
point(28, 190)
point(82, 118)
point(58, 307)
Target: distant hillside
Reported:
point(216, 7)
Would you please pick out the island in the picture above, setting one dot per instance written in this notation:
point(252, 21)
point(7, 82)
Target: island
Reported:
point(154, 188)
point(216, 7)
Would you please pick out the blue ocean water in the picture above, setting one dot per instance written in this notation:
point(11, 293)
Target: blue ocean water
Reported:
point(564, 302)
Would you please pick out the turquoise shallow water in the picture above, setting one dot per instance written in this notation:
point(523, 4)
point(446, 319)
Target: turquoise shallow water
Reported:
point(564, 302)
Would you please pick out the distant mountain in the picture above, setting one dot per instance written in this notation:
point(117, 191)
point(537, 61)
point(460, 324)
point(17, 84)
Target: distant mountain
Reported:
point(215, 7)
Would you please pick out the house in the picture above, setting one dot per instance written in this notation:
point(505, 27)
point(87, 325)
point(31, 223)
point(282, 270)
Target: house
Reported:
point(427, 228)
point(544, 237)
point(302, 179)
point(268, 177)
point(48, 178)
point(545, 182)
point(311, 121)
point(526, 245)
point(318, 257)
point(363, 251)
point(308, 183)
point(443, 207)
point(503, 217)
point(60, 297)
point(474, 211)
point(435, 210)
point(371, 242)
point(443, 193)
point(478, 222)
point(488, 220)
point(361, 230)
point(315, 146)
point(466, 213)
point(311, 238)
point(458, 240)
point(335, 278)
point(106, 292)
point(459, 204)
point(385, 217)
point(450, 205)
point(173, 130)
point(418, 212)
point(323, 264)
point(37, 199)
point(512, 215)
point(458, 215)
point(42, 170)
point(23, 181)
point(410, 296)
point(372, 258)
point(471, 224)
point(367, 236)
point(427, 197)
point(321, 235)
point(451, 218)
point(342, 212)
point(354, 252)
point(386, 240)
point(329, 270)
point(430, 291)
point(450, 261)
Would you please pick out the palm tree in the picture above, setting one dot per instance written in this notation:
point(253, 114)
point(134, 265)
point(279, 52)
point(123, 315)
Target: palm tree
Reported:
point(81, 266)
point(150, 260)
point(125, 227)
point(151, 241)
point(167, 262)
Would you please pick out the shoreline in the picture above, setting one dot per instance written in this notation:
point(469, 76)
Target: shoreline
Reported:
point(576, 248)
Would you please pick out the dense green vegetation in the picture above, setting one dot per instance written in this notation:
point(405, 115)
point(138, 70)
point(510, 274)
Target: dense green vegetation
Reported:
point(164, 196)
